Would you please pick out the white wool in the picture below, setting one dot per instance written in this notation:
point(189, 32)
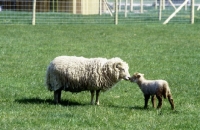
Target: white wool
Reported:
point(77, 74)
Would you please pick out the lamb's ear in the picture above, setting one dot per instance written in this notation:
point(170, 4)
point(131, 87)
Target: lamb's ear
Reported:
point(136, 73)
point(138, 76)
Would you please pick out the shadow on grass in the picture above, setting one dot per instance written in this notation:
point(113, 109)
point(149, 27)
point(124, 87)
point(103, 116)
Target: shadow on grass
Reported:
point(37, 100)
point(137, 108)
point(47, 101)
point(128, 107)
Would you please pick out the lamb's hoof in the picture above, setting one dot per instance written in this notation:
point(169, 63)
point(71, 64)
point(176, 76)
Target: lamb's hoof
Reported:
point(158, 107)
point(154, 107)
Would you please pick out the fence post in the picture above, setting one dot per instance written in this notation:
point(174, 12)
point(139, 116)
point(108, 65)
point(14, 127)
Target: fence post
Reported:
point(100, 7)
point(116, 12)
point(125, 13)
point(34, 7)
point(160, 11)
point(141, 6)
point(131, 5)
point(192, 12)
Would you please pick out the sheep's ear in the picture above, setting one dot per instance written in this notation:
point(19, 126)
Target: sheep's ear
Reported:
point(116, 66)
point(119, 65)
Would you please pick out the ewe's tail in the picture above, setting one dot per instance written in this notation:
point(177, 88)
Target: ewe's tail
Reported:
point(48, 85)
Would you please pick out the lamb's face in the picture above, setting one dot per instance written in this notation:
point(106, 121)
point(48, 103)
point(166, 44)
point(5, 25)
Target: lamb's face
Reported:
point(123, 71)
point(136, 77)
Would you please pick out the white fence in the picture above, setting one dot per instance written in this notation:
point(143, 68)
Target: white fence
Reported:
point(99, 11)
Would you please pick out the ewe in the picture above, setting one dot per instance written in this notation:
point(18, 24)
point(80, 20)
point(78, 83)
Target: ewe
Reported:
point(153, 88)
point(76, 74)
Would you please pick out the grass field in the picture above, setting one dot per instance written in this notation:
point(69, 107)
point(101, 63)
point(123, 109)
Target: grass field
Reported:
point(169, 52)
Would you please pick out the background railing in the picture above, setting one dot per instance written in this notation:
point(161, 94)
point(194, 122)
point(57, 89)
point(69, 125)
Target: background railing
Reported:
point(99, 11)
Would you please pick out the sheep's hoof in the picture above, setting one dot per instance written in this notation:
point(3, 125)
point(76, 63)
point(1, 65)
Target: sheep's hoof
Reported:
point(145, 107)
point(57, 102)
point(97, 103)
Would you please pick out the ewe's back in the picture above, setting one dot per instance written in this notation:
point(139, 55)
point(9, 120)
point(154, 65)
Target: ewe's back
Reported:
point(73, 64)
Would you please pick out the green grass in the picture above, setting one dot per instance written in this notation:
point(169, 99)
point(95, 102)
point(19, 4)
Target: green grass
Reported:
point(169, 52)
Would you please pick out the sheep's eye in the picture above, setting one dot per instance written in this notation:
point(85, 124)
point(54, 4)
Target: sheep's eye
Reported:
point(123, 70)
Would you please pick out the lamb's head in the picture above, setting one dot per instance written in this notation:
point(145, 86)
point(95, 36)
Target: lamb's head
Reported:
point(137, 77)
point(122, 69)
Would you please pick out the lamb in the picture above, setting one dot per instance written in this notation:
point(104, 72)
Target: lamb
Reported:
point(76, 74)
point(153, 88)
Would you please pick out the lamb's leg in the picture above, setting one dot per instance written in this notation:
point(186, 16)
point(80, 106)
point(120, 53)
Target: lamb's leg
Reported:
point(159, 97)
point(92, 97)
point(153, 100)
point(146, 98)
point(57, 96)
point(97, 97)
point(171, 101)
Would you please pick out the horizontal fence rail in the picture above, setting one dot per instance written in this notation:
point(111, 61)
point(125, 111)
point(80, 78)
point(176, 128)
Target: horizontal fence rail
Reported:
point(99, 11)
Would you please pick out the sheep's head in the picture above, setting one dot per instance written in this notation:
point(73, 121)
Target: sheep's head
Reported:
point(122, 69)
point(136, 77)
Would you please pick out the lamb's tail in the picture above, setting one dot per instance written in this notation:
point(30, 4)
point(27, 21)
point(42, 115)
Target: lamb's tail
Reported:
point(168, 94)
point(166, 90)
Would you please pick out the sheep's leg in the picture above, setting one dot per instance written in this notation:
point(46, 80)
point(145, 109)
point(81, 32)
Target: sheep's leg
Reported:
point(159, 97)
point(92, 97)
point(153, 100)
point(146, 98)
point(57, 96)
point(171, 101)
point(97, 97)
